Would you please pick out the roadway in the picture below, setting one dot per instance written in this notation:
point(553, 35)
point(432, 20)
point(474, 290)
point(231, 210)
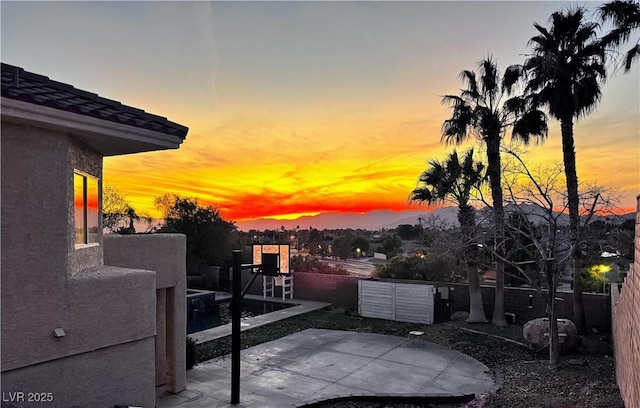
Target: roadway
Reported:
point(355, 267)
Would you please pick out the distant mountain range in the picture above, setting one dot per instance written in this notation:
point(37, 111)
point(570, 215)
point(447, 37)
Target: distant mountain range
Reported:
point(387, 219)
point(372, 220)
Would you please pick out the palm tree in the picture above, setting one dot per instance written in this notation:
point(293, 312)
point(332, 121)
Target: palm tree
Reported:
point(564, 74)
point(625, 17)
point(454, 181)
point(482, 112)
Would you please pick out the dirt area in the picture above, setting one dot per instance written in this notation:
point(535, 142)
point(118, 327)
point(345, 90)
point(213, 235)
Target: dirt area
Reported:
point(586, 377)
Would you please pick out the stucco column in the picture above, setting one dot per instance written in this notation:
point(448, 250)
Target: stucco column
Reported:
point(176, 337)
point(161, 337)
point(166, 255)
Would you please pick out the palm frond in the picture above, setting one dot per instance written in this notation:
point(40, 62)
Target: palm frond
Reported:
point(452, 100)
point(540, 38)
point(489, 77)
point(449, 180)
point(624, 15)
point(422, 195)
point(585, 33)
point(469, 79)
point(632, 54)
point(454, 130)
point(620, 12)
point(532, 125)
point(567, 65)
point(516, 105)
point(511, 76)
point(587, 93)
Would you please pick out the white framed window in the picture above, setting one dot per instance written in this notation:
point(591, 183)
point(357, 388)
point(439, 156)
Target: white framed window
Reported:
point(86, 205)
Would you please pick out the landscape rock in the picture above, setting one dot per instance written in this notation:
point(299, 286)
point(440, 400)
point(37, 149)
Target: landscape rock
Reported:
point(459, 316)
point(577, 361)
point(480, 401)
point(536, 333)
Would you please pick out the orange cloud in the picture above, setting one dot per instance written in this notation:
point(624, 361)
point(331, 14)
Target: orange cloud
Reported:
point(266, 168)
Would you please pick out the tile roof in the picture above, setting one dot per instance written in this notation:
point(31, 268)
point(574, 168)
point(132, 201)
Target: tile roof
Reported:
point(40, 90)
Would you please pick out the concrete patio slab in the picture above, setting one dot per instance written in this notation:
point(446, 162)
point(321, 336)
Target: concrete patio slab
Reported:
point(318, 364)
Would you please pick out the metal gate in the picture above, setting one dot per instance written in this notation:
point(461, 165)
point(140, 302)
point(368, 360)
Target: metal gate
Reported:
point(404, 302)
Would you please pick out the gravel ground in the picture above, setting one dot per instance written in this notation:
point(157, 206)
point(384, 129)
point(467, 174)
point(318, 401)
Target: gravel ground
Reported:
point(585, 378)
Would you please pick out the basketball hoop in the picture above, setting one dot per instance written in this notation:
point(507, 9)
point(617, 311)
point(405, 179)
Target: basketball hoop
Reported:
point(270, 261)
point(274, 258)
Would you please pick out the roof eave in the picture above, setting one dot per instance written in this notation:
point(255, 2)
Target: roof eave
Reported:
point(106, 137)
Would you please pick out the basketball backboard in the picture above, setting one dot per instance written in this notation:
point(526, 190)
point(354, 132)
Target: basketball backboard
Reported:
point(274, 258)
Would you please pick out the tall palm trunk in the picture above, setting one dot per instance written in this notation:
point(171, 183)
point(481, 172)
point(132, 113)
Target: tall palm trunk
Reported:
point(493, 170)
point(569, 157)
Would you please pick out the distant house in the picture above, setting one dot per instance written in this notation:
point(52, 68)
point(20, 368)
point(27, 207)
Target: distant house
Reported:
point(88, 321)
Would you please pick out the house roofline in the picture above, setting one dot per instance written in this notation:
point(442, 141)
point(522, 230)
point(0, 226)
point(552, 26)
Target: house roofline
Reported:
point(107, 137)
point(108, 126)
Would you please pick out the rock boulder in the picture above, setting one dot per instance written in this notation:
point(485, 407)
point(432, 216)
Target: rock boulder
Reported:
point(536, 333)
point(459, 316)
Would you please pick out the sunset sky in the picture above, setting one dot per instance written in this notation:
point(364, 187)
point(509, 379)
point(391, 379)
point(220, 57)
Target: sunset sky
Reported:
point(300, 108)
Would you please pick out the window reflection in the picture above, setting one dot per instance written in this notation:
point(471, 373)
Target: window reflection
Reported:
point(92, 210)
point(78, 206)
point(86, 208)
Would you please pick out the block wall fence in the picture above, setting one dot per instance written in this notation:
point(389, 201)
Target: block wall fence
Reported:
point(525, 303)
point(625, 321)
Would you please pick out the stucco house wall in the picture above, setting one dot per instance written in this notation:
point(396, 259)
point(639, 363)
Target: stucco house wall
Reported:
point(74, 330)
point(34, 239)
point(47, 283)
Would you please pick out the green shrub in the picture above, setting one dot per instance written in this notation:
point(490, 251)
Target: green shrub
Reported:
point(314, 265)
point(622, 275)
point(427, 268)
point(191, 353)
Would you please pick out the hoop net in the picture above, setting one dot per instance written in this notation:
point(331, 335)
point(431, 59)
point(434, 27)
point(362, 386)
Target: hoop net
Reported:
point(278, 280)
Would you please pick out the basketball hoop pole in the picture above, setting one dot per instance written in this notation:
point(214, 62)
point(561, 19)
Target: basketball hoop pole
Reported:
point(237, 293)
point(236, 297)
